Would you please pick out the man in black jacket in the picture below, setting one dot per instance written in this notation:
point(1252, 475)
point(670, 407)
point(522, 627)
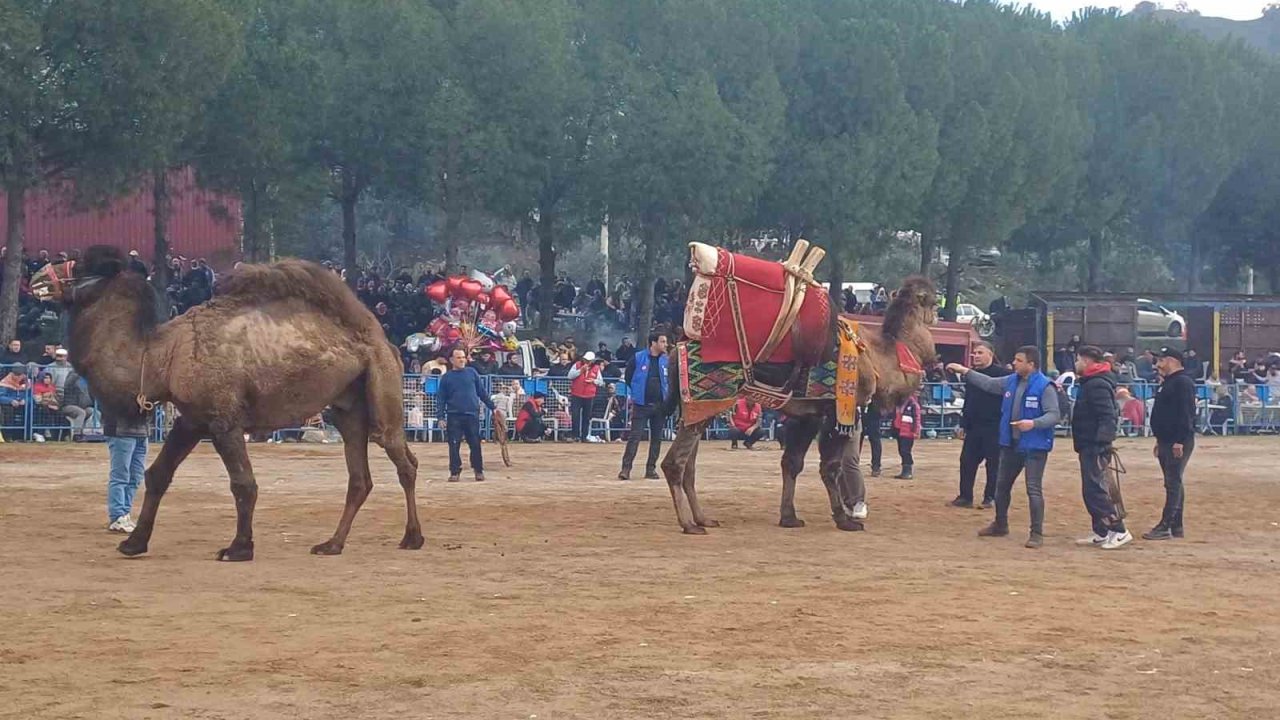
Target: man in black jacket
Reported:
point(1173, 420)
point(980, 430)
point(1093, 430)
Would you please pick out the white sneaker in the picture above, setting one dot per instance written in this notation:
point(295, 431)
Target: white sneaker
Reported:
point(37, 437)
point(1117, 540)
point(1093, 540)
point(860, 511)
point(122, 524)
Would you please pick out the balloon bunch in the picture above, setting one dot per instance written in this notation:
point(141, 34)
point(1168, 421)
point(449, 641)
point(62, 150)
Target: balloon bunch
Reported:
point(474, 307)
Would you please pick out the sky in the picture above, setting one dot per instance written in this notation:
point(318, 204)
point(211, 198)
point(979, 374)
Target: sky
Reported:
point(1234, 9)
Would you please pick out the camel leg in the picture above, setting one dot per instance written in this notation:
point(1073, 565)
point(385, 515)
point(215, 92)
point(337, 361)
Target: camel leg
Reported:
point(235, 456)
point(353, 425)
point(384, 396)
point(673, 465)
point(832, 451)
point(690, 474)
point(800, 431)
point(178, 444)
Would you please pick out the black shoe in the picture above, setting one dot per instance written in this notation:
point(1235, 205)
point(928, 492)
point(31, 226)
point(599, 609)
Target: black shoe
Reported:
point(733, 445)
point(624, 475)
point(961, 503)
point(994, 530)
point(1177, 532)
point(875, 472)
point(904, 475)
point(652, 475)
point(987, 504)
point(1159, 532)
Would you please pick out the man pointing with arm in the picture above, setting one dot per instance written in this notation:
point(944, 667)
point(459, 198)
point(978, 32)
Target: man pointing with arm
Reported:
point(1028, 414)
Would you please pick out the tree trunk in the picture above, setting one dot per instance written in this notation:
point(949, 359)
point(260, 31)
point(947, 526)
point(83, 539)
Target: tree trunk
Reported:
point(451, 240)
point(835, 277)
point(1194, 265)
point(17, 195)
point(926, 254)
point(350, 195)
point(160, 236)
point(1097, 247)
point(953, 281)
point(252, 245)
point(1273, 277)
point(547, 268)
point(653, 233)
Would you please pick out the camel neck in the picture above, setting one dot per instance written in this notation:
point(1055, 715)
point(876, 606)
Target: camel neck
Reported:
point(109, 344)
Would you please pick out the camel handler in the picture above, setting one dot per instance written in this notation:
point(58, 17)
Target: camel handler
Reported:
point(1093, 430)
point(126, 435)
point(458, 403)
point(1173, 421)
point(1028, 414)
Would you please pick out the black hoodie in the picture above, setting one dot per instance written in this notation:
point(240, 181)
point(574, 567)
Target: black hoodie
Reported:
point(1094, 417)
point(1173, 416)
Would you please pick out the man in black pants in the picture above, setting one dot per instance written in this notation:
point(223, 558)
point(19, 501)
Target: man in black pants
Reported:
point(647, 375)
point(871, 431)
point(1173, 418)
point(980, 430)
point(1093, 430)
point(458, 401)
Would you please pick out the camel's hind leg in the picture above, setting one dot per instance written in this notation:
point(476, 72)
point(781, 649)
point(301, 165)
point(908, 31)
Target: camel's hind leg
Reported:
point(353, 424)
point(385, 398)
point(800, 431)
point(682, 449)
point(235, 456)
point(178, 444)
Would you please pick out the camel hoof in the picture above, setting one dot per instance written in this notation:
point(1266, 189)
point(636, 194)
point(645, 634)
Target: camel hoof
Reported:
point(849, 524)
point(128, 548)
point(708, 522)
point(328, 547)
point(694, 530)
point(791, 522)
point(412, 541)
point(241, 553)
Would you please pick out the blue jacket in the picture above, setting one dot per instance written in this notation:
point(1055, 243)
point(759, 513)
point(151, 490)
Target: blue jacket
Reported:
point(461, 393)
point(1040, 438)
point(640, 377)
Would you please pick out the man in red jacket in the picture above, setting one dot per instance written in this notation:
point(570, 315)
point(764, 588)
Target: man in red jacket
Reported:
point(906, 425)
point(746, 423)
point(585, 379)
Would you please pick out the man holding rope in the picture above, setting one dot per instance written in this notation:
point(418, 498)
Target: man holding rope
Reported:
point(1093, 430)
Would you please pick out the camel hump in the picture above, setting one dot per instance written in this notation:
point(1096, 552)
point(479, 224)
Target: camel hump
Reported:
point(296, 280)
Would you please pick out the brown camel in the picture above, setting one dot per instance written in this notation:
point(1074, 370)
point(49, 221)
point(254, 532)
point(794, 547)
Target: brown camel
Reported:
point(880, 376)
point(278, 345)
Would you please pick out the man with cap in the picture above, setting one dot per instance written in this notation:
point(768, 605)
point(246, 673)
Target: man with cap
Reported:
point(1173, 421)
point(585, 379)
point(1093, 430)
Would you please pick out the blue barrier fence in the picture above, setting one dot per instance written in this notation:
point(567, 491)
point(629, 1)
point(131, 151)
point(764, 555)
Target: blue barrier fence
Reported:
point(1225, 410)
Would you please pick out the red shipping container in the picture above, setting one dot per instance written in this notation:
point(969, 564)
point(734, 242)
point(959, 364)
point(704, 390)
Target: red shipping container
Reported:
point(202, 224)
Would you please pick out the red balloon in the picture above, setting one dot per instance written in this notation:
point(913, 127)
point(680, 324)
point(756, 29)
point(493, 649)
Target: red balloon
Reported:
point(483, 299)
point(453, 283)
point(508, 311)
point(438, 291)
point(469, 289)
point(500, 295)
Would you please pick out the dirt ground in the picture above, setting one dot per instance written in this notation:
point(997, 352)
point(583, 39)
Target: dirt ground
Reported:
point(555, 591)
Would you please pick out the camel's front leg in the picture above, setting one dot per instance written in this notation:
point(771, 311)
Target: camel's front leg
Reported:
point(673, 466)
point(800, 431)
point(235, 456)
point(690, 475)
point(179, 443)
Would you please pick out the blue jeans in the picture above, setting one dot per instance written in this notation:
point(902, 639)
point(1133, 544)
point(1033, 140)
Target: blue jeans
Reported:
point(128, 465)
point(464, 427)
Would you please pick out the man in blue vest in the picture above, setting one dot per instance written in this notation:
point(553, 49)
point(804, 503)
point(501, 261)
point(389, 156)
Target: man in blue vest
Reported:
point(1028, 415)
point(648, 377)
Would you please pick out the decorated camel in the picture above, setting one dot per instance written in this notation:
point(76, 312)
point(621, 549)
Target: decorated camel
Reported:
point(279, 344)
point(765, 330)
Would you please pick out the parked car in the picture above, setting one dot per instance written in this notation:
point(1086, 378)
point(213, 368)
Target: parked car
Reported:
point(969, 313)
point(1158, 320)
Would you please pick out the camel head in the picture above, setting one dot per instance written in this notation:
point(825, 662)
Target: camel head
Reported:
point(77, 283)
point(916, 302)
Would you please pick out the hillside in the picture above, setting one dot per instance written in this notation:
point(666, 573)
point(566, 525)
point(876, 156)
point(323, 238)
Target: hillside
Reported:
point(1262, 33)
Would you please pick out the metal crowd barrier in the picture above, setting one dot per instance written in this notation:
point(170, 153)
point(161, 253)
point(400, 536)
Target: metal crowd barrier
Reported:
point(1222, 410)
